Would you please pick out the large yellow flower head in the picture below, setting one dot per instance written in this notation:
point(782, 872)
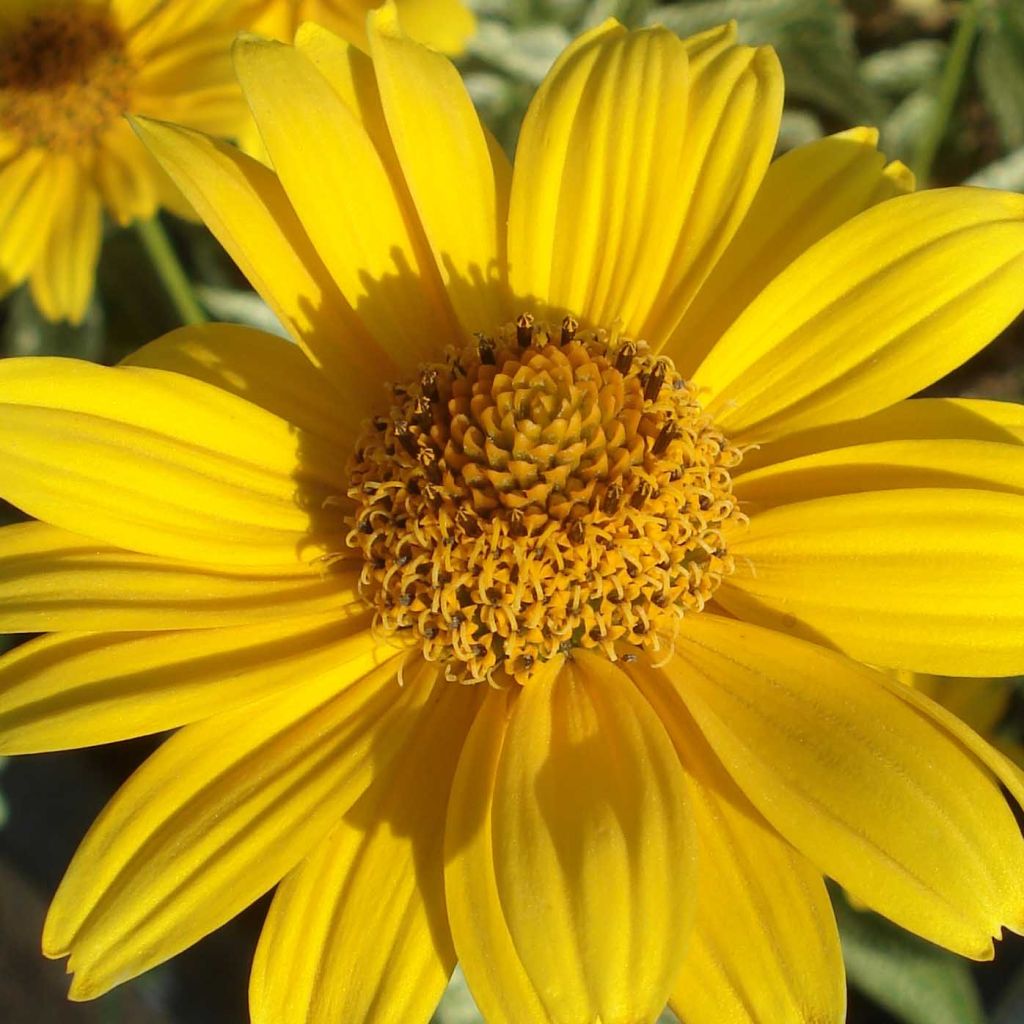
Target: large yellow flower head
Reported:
point(69, 72)
point(541, 608)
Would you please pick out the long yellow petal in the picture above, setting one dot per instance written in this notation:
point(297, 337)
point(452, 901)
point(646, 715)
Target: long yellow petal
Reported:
point(64, 276)
point(765, 949)
point(160, 463)
point(501, 987)
point(243, 204)
point(54, 580)
point(221, 812)
point(80, 689)
point(928, 580)
point(261, 368)
point(884, 465)
point(874, 794)
point(126, 175)
point(805, 194)
point(921, 419)
point(345, 198)
point(875, 311)
point(591, 823)
point(27, 186)
point(460, 194)
point(359, 931)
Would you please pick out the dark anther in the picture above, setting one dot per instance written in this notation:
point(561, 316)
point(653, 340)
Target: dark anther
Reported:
point(528, 661)
point(485, 346)
point(365, 526)
point(576, 531)
point(665, 438)
point(629, 658)
point(643, 491)
point(457, 620)
point(399, 391)
point(428, 384)
point(655, 380)
point(403, 559)
point(678, 383)
point(524, 329)
point(516, 526)
point(639, 629)
point(570, 325)
point(705, 502)
point(427, 458)
point(612, 498)
point(468, 523)
point(379, 423)
point(405, 600)
point(422, 413)
point(430, 632)
point(405, 438)
point(595, 633)
point(624, 360)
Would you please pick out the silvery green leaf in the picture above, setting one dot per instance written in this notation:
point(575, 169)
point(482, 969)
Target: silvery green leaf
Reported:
point(457, 1006)
point(629, 12)
point(492, 94)
point(1000, 66)
point(798, 127)
point(239, 307)
point(905, 68)
point(1007, 173)
point(524, 54)
point(903, 127)
point(918, 983)
point(814, 41)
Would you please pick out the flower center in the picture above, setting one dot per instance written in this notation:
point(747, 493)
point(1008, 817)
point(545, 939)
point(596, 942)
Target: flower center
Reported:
point(64, 77)
point(543, 489)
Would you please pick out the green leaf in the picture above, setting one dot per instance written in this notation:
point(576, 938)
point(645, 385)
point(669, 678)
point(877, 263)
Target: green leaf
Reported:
point(814, 41)
point(918, 983)
point(904, 69)
point(27, 332)
point(1007, 173)
point(1000, 65)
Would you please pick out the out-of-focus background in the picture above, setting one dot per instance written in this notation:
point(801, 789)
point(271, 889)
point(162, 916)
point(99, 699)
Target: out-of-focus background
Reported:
point(944, 83)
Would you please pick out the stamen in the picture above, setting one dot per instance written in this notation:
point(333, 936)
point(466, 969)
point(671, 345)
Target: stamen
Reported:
point(525, 497)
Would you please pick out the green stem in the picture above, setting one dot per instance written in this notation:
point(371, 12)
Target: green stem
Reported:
point(167, 265)
point(949, 90)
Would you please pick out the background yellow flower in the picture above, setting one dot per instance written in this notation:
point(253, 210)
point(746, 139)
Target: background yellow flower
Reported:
point(69, 72)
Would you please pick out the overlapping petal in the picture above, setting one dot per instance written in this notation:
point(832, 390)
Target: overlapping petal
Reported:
point(874, 794)
point(79, 689)
point(163, 464)
point(764, 947)
point(878, 309)
point(221, 812)
point(928, 579)
point(805, 194)
point(53, 580)
point(587, 819)
point(359, 930)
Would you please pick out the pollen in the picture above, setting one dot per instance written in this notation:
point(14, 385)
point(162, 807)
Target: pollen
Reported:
point(542, 489)
point(64, 77)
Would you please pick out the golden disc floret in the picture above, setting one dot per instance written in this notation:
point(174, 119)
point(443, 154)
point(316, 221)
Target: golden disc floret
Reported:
point(64, 76)
point(542, 489)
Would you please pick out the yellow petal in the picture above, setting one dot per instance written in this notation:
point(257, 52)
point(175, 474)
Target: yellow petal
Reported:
point(874, 794)
point(261, 368)
point(221, 812)
point(156, 462)
point(969, 419)
point(460, 195)
point(359, 931)
point(732, 125)
point(875, 311)
point(80, 689)
point(764, 948)
point(126, 175)
point(345, 198)
point(28, 184)
point(631, 173)
point(594, 847)
point(501, 987)
point(805, 194)
point(928, 580)
point(53, 580)
point(64, 276)
point(446, 25)
point(885, 465)
point(243, 204)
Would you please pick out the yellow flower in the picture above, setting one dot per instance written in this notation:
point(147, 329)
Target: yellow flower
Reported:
point(69, 71)
point(511, 458)
point(445, 25)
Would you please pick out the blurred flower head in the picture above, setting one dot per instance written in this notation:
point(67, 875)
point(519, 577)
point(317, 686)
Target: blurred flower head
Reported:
point(69, 72)
point(539, 608)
